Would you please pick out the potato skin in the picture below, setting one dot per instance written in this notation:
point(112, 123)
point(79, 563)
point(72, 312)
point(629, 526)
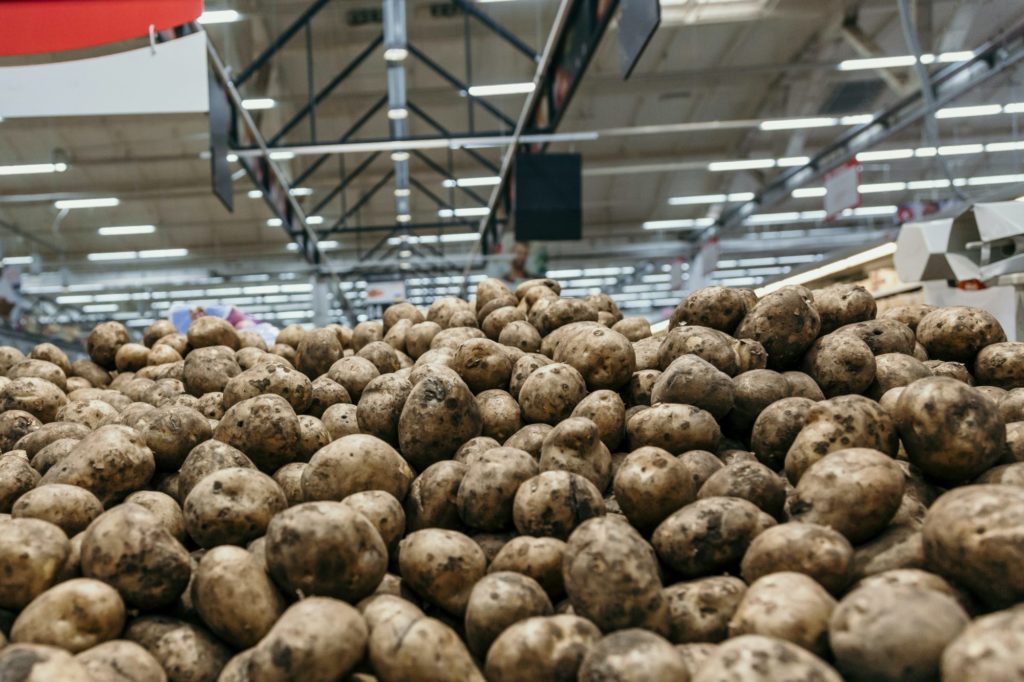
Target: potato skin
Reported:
point(775, 429)
point(790, 606)
point(69, 507)
point(40, 663)
point(972, 536)
point(441, 566)
point(987, 649)
point(74, 615)
point(270, 377)
point(209, 369)
point(554, 503)
point(539, 558)
point(716, 307)
point(551, 392)
point(497, 601)
point(171, 433)
point(103, 342)
point(673, 427)
point(630, 595)
point(32, 553)
point(650, 484)
point(950, 430)
point(708, 535)
point(842, 304)
point(265, 428)
point(325, 549)
point(431, 502)
point(856, 491)
point(785, 323)
point(1001, 364)
point(958, 333)
point(488, 488)
point(750, 481)
point(840, 364)
point(38, 397)
point(708, 344)
point(691, 380)
point(541, 648)
point(755, 657)
point(699, 610)
point(439, 415)
point(886, 632)
point(574, 446)
point(188, 652)
point(119, 659)
point(232, 506)
point(604, 358)
point(234, 596)
point(817, 551)
point(355, 463)
point(500, 414)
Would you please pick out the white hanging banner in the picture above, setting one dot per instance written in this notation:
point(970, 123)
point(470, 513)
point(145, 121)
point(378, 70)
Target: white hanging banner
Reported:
point(168, 77)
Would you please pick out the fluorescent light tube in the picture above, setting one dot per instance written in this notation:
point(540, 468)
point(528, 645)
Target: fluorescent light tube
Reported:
point(398, 114)
point(879, 62)
point(274, 222)
point(882, 187)
point(255, 194)
point(101, 308)
point(856, 119)
point(403, 217)
point(395, 54)
point(807, 192)
point(960, 149)
point(282, 156)
point(112, 255)
point(163, 253)
point(258, 103)
point(743, 164)
point(314, 220)
point(126, 229)
point(464, 212)
point(19, 260)
point(33, 168)
point(219, 16)
point(886, 155)
point(399, 156)
point(300, 191)
point(796, 123)
point(678, 224)
point(101, 202)
point(501, 89)
point(402, 191)
point(974, 110)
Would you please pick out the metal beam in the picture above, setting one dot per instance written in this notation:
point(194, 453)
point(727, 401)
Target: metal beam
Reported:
point(345, 182)
point(359, 204)
point(279, 41)
point(498, 29)
point(433, 123)
point(352, 130)
point(459, 85)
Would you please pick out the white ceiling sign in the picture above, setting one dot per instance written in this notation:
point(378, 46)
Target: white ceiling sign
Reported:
point(168, 78)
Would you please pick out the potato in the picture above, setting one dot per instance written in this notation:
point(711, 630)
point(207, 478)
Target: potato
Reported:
point(1001, 364)
point(317, 351)
point(74, 615)
point(473, 448)
point(719, 308)
point(128, 548)
point(882, 336)
point(898, 547)
point(987, 649)
point(404, 644)
point(431, 502)
point(775, 429)
point(755, 657)
point(37, 397)
point(692, 380)
point(489, 486)
point(751, 481)
point(515, 332)
point(840, 364)
point(164, 507)
point(171, 433)
point(36, 436)
point(53, 453)
point(604, 358)
point(206, 458)
point(17, 477)
point(885, 632)
point(355, 463)
point(650, 484)
point(646, 352)
point(235, 597)
point(817, 551)
point(633, 654)
point(895, 369)
point(341, 420)
point(110, 462)
point(441, 566)
point(285, 352)
point(838, 423)
point(32, 553)
point(541, 648)
point(131, 357)
point(103, 342)
point(51, 353)
point(69, 507)
point(39, 369)
point(708, 344)
point(231, 506)
point(550, 393)
point(554, 503)
point(574, 446)
point(497, 601)
point(641, 385)
point(856, 491)
point(209, 369)
point(383, 511)
point(395, 336)
point(699, 610)
point(958, 333)
point(325, 549)
point(754, 391)
point(950, 430)
point(482, 364)
point(708, 535)
point(628, 595)
point(313, 435)
point(803, 386)
point(439, 415)
point(188, 652)
point(789, 606)
point(909, 315)
point(673, 427)
point(265, 428)
point(270, 378)
point(1011, 406)
point(212, 331)
point(40, 663)
point(119, 660)
point(842, 304)
point(700, 464)
point(1006, 474)
point(419, 336)
point(785, 323)
point(380, 406)
point(179, 342)
point(289, 477)
point(972, 536)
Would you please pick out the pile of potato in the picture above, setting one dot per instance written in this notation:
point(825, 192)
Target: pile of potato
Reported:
point(521, 487)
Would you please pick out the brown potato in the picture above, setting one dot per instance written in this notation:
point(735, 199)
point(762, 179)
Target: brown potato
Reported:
point(265, 428)
point(604, 358)
point(235, 597)
point(650, 484)
point(497, 601)
point(36, 436)
point(958, 333)
point(574, 446)
point(629, 596)
point(699, 610)
point(692, 380)
point(754, 391)
point(353, 464)
point(1001, 364)
point(209, 369)
point(206, 458)
point(885, 632)
point(646, 352)
point(641, 385)
point(895, 369)
point(554, 503)
point(673, 427)
point(971, 536)
point(441, 566)
point(775, 429)
point(987, 649)
point(341, 420)
point(325, 549)
point(722, 527)
point(40, 663)
point(380, 406)
point(212, 331)
point(786, 605)
point(842, 304)
point(39, 369)
point(541, 648)
point(708, 344)
point(232, 506)
point(38, 397)
point(856, 491)
point(755, 657)
point(719, 308)
point(537, 558)
point(950, 430)
point(840, 364)
point(103, 342)
point(488, 488)
point(751, 481)
point(785, 323)
point(439, 415)
point(289, 477)
point(119, 660)
point(171, 433)
point(128, 548)
point(32, 552)
point(53, 453)
point(817, 551)
point(431, 502)
point(188, 652)
point(110, 462)
point(317, 351)
point(633, 328)
point(69, 507)
point(383, 511)
point(74, 615)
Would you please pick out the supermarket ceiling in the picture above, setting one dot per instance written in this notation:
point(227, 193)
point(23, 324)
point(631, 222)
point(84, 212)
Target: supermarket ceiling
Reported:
point(728, 96)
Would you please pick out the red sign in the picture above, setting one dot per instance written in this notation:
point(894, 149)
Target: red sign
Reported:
point(39, 26)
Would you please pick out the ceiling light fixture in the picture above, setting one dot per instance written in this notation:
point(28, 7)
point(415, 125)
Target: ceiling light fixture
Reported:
point(902, 61)
point(403, 217)
point(970, 111)
point(101, 308)
point(856, 119)
point(33, 168)
point(482, 181)
point(678, 224)
point(257, 103)
point(274, 222)
point(399, 156)
point(469, 212)
point(795, 123)
point(314, 220)
point(100, 202)
point(886, 155)
point(301, 191)
point(501, 89)
point(255, 194)
point(163, 253)
point(282, 156)
point(808, 192)
point(219, 16)
point(700, 199)
point(112, 255)
point(125, 230)
point(398, 114)
point(743, 164)
point(402, 191)
point(790, 161)
point(395, 54)
point(19, 260)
